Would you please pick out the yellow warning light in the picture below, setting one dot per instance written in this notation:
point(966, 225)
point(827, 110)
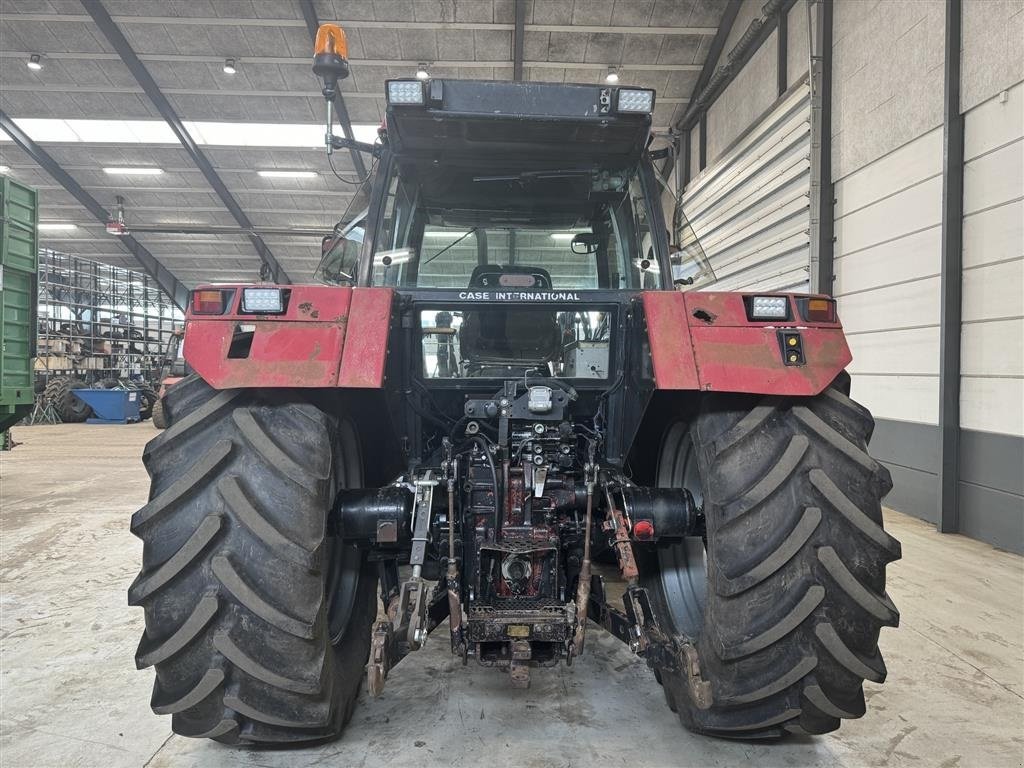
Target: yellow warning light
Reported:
point(791, 341)
point(330, 39)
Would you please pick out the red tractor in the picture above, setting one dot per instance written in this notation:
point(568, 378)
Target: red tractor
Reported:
point(507, 376)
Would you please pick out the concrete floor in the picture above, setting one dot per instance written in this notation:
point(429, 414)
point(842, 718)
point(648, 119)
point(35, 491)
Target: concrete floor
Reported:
point(70, 694)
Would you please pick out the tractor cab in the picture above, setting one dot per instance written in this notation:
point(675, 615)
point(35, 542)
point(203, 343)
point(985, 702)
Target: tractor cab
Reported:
point(512, 195)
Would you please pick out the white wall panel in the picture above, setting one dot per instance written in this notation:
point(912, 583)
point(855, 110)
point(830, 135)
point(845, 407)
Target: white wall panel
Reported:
point(887, 261)
point(992, 405)
point(907, 258)
point(901, 398)
point(992, 336)
point(908, 305)
point(994, 291)
point(994, 178)
point(995, 234)
point(902, 168)
point(750, 208)
point(911, 210)
point(911, 352)
point(994, 123)
point(994, 348)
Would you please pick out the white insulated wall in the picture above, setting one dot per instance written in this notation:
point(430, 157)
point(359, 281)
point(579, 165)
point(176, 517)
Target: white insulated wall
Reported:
point(888, 218)
point(992, 340)
point(887, 171)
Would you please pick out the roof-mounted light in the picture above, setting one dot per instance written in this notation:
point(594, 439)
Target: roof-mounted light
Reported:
point(405, 92)
point(635, 100)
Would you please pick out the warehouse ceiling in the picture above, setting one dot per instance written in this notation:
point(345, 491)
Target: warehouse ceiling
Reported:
point(184, 44)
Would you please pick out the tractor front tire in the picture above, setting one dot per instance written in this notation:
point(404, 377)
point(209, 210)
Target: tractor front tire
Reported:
point(257, 622)
point(785, 601)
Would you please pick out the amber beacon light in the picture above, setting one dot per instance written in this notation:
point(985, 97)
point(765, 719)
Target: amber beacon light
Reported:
point(330, 57)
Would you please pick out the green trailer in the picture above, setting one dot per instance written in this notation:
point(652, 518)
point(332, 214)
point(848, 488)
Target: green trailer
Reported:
point(19, 259)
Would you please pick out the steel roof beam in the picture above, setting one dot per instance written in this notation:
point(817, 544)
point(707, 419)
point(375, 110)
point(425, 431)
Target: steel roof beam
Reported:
point(312, 25)
point(120, 44)
point(169, 284)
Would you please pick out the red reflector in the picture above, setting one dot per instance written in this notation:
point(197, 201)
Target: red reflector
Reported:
point(208, 302)
point(821, 310)
point(643, 530)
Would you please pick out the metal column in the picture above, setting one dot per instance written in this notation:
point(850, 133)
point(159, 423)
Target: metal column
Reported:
point(821, 188)
point(517, 40)
point(951, 271)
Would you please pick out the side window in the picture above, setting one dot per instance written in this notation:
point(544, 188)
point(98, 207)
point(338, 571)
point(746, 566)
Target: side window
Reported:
point(341, 261)
point(393, 254)
point(690, 265)
point(645, 265)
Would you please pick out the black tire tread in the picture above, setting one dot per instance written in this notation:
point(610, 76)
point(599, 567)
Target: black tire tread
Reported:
point(233, 576)
point(796, 557)
point(68, 406)
point(158, 414)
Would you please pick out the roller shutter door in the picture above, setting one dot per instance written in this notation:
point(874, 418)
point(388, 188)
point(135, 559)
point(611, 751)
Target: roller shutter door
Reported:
point(750, 208)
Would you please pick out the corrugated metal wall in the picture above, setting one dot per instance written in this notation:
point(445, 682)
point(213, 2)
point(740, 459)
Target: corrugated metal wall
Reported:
point(750, 207)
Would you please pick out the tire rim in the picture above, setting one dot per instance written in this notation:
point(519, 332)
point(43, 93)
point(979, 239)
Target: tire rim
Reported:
point(682, 567)
point(344, 562)
point(342, 586)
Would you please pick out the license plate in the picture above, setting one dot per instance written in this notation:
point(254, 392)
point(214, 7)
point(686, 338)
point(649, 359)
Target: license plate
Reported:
point(518, 630)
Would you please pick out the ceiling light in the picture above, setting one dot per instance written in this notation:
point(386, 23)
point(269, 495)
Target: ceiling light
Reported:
point(288, 174)
point(443, 233)
point(5, 169)
point(421, 72)
point(35, 61)
point(612, 76)
point(95, 131)
point(56, 226)
point(138, 171)
point(563, 236)
point(229, 67)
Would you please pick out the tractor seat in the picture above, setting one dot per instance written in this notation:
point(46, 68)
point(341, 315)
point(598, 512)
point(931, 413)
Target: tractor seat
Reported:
point(509, 336)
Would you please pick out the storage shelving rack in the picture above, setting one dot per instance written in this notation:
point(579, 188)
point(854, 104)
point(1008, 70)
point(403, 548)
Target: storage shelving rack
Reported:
point(98, 321)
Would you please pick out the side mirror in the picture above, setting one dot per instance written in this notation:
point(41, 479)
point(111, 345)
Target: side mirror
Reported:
point(584, 242)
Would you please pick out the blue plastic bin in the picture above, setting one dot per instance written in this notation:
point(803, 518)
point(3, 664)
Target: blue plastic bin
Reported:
point(111, 406)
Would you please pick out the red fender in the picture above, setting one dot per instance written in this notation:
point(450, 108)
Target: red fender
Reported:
point(327, 337)
point(704, 341)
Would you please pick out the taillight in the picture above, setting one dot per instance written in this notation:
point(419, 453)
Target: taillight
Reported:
point(815, 309)
point(209, 301)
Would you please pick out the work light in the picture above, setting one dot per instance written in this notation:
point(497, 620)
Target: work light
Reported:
point(405, 92)
point(639, 100)
point(262, 300)
point(769, 308)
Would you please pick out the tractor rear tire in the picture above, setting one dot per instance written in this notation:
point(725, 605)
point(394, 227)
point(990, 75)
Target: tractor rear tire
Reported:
point(785, 602)
point(257, 622)
point(159, 419)
point(66, 404)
